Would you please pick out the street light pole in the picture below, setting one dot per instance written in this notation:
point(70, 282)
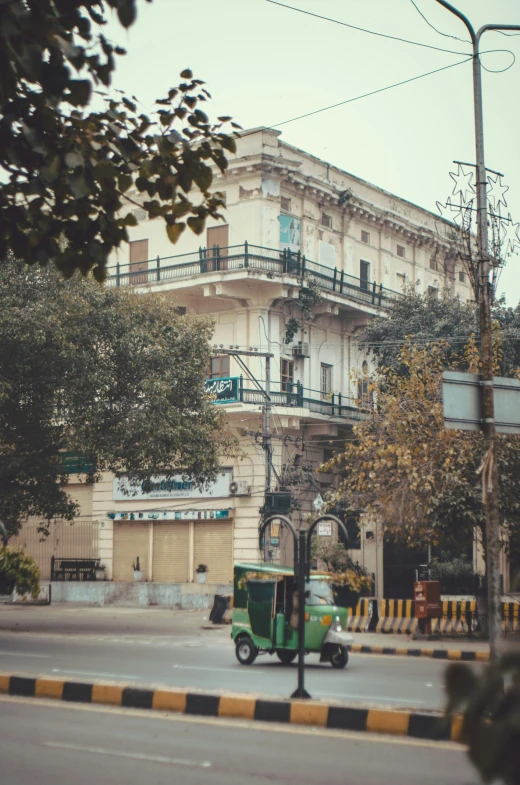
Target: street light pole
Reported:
point(490, 468)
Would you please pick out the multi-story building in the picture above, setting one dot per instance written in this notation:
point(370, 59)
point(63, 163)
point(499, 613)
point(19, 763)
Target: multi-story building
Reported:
point(291, 219)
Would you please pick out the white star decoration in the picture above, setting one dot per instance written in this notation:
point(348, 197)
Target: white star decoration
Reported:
point(510, 236)
point(462, 184)
point(496, 192)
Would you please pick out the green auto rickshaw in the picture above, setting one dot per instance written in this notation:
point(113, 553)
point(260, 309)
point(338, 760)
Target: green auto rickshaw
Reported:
point(265, 616)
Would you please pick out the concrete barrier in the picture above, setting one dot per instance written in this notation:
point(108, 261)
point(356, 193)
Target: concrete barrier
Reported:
point(182, 596)
point(359, 618)
point(397, 617)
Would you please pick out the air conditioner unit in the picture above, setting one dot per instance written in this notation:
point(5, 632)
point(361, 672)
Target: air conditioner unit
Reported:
point(301, 349)
point(239, 488)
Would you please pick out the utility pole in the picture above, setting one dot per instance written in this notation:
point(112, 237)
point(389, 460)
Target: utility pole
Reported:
point(266, 424)
point(489, 463)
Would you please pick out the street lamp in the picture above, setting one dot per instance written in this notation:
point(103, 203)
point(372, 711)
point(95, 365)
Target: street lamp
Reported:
point(302, 569)
point(490, 470)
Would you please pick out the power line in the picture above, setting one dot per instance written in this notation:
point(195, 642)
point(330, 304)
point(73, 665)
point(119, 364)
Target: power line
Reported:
point(365, 30)
point(447, 35)
point(364, 95)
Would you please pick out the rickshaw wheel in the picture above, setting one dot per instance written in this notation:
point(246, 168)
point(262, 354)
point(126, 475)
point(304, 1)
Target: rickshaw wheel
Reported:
point(286, 656)
point(340, 657)
point(246, 651)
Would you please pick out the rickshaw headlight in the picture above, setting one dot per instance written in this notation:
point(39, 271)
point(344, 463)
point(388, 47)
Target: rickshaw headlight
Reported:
point(337, 625)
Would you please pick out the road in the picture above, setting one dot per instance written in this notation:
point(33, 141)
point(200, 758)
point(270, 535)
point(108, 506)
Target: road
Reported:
point(205, 659)
point(50, 743)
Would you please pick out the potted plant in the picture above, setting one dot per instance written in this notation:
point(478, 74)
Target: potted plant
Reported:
point(99, 572)
point(201, 573)
point(138, 573)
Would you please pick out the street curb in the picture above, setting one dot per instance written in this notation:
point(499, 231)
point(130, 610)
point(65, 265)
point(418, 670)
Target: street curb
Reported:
point(417, 725)
point(435, 654)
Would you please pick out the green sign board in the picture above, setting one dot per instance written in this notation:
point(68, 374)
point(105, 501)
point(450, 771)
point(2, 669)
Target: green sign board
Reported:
point(223, 390)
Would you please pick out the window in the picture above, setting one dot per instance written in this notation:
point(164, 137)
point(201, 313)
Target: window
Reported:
point(364, 392)
point(286, 203)
point(462, 276)
point(364, 275)
point(219, 367)
point(326, 220)
point(401, 251)
point(286, 375)
point(433, 291)
point(326, 380)
point(433, 264)
point(365, 237)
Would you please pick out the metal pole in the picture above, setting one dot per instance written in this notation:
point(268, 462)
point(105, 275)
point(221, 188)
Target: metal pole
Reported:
point(266, 412)
point(3, 534)
point(490, 473)
point(301, 692)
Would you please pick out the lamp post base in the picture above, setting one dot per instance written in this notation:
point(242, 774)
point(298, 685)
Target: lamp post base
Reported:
point(300, 692)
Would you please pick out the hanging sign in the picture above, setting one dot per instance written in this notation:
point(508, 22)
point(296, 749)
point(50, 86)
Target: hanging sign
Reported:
point(325, 529)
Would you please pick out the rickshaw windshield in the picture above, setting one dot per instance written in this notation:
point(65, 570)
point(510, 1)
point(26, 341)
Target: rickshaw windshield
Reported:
point(318, 593)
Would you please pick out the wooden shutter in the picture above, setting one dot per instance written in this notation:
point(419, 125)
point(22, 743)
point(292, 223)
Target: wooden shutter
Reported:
point(171, 552)
point(217, 235)
point(138, 261)
point(131, 539)
point(214, 547)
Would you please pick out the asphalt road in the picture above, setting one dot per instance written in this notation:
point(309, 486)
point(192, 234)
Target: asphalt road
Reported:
point(206, 660)
point(47, 743)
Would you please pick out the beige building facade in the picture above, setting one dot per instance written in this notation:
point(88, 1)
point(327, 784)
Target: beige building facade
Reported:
point(291, 218)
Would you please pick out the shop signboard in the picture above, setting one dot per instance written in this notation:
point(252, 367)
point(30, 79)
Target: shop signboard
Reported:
point(171, 515)
point(222, 390)
point(175, 487)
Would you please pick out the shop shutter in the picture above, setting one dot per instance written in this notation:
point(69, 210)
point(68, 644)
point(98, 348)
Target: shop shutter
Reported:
point(171, 552)
point(131, 539)
point(76, 540)
point(214, 547)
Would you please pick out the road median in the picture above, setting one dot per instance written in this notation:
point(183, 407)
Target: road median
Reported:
point(325, 714)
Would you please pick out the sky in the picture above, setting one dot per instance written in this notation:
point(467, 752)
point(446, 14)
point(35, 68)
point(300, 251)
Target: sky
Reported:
point(264, 64)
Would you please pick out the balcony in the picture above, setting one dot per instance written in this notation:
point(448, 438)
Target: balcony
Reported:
point(244, 258)
point(233, 390)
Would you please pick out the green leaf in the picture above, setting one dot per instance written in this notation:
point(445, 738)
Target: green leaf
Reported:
point(187, 74)
point(228, 143)
point(126, 12)
point(80, 90)
point(196, 224)
point(224, 119)
point(78, 186)
point(51, 172)
point(175, 231)
point(203, 177)
point(124, 182)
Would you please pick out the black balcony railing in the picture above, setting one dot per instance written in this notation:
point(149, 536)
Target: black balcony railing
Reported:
point(252, 257)
point(335, 405)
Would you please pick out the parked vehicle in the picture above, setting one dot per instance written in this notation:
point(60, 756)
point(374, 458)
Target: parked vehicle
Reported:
point(265, 616)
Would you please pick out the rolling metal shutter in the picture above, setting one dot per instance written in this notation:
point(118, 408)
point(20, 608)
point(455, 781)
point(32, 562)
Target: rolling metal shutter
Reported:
point(131, 539)
point(82, 495)
point(77, 540)
point(214, 548)
point(171, 552)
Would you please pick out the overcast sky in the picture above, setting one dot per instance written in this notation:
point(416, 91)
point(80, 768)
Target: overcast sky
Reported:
point(265, 64)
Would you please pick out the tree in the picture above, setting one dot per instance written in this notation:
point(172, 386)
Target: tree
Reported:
point(102, 372)
point(68, 171)
point(403, 466)
point(429, 319)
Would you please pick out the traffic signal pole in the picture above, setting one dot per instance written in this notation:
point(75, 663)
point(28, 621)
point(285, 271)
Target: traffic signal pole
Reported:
point(490, 489)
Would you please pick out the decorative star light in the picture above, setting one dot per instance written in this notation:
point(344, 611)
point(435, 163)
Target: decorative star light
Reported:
point(462, 184)
point(496, 192)
point(510, 235)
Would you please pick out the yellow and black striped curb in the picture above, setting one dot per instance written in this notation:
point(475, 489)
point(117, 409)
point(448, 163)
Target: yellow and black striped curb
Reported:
point(433, 726)
point(434, 654)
